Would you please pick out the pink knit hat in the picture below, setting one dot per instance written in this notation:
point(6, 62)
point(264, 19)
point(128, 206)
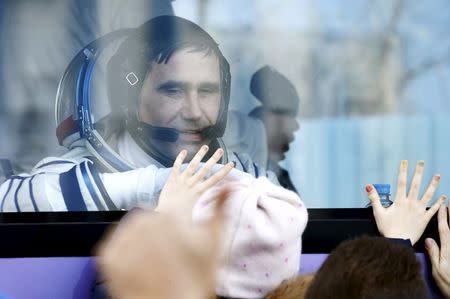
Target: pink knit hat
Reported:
point(263, 228)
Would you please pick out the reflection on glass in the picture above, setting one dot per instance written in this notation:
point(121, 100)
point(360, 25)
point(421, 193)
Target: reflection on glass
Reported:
point(272, 124)
point(167, 89)
point(373, 78)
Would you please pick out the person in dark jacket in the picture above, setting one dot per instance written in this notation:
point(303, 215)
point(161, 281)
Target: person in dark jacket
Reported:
point(278, 111)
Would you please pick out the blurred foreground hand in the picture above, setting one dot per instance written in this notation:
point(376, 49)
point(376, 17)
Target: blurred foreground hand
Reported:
point(165, 255)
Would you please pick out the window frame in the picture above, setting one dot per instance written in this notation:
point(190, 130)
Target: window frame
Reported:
point(62, 234)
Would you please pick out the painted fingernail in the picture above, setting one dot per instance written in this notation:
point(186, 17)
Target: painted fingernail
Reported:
point(404, 163)
point(421, 163)
point(369, 188)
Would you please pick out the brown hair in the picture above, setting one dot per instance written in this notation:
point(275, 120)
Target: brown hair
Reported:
point(294, 288)
point(369, 268)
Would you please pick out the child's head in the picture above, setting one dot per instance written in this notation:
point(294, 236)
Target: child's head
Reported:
point(262, 238)
point(369, 268)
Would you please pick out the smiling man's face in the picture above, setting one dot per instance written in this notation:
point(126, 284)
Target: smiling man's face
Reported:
point(183, 94)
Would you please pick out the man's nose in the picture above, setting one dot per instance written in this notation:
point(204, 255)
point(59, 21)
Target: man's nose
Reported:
point(192, 107)
point(290, 124)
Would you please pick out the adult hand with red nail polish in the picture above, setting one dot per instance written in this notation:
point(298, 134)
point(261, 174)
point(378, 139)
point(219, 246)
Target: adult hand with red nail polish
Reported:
point(187, 186)
point(440, 258)
point(408, 216)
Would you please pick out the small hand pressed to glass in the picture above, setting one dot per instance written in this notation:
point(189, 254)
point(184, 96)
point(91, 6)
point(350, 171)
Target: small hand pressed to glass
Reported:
point(166, 255)
point(191, 183)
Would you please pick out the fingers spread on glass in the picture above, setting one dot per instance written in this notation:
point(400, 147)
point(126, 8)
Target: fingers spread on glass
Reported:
point(179, 161)
point(407, 217)
point(209, 165)
point(197, 179)
point(217, 177)
point(374, 198)
point(193, 165)
point(416, 181)
point(429, 193)
point(402, 181)
point(184, 187)
point(434, 208)
point(413, 193)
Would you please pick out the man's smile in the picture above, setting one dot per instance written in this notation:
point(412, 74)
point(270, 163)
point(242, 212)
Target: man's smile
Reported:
point(191, 135)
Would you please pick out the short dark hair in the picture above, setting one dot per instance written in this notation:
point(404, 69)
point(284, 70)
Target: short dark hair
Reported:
point(369, 268)
point(275, 92)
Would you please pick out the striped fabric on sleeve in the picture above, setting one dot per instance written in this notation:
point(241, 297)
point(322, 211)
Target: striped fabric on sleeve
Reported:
point(83, 190)
point(77, 187)
point(23, 194)
point(101, 187)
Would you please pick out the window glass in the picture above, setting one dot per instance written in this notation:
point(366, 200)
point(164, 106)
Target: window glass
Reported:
point(321, 97)
point(372, 78)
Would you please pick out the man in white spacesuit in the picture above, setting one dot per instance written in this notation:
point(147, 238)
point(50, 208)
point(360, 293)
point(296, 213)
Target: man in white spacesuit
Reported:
point(168, 88)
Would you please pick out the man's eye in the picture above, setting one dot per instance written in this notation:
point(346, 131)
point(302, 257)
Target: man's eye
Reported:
point(172, 91)
point(207, 90)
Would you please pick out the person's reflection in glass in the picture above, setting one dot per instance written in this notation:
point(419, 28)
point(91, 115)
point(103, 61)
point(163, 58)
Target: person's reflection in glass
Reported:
point(168, 88)
point(280, 104)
